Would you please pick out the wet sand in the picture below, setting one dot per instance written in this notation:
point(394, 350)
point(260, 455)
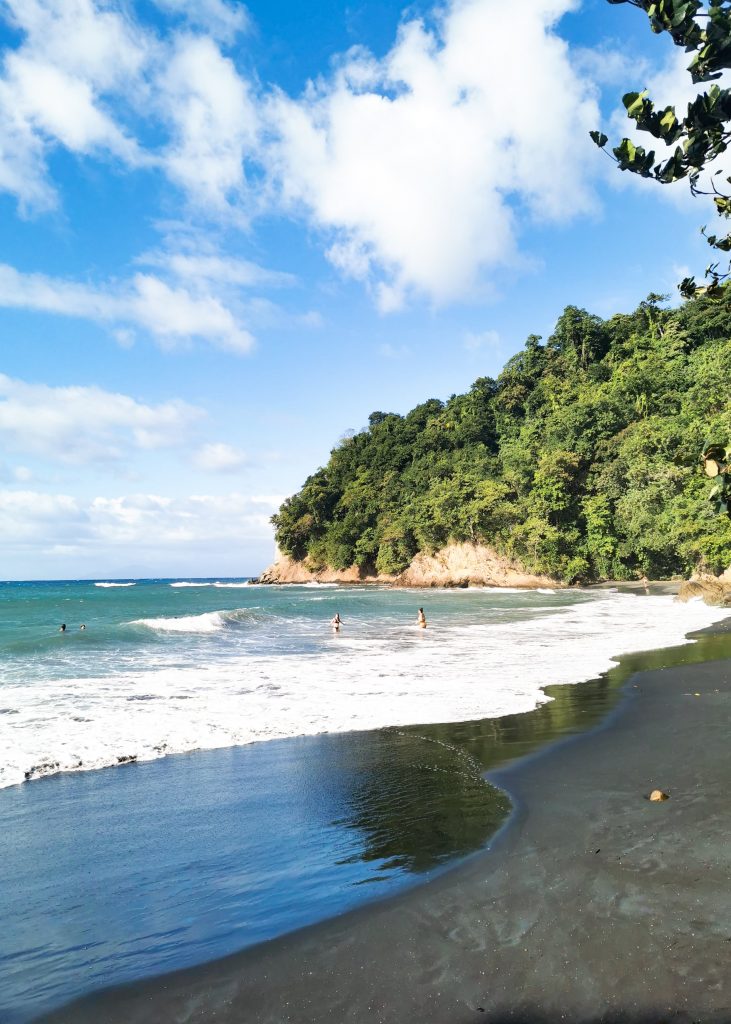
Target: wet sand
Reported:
point(592, 904)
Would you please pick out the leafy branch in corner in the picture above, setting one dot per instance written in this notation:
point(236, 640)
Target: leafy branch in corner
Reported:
point(699, 137)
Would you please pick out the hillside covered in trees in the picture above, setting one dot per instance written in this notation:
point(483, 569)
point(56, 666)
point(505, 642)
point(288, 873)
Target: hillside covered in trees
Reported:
point(581, 460)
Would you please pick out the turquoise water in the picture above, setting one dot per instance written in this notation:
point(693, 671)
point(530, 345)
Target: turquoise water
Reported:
point(163, 861)
point(170, 666)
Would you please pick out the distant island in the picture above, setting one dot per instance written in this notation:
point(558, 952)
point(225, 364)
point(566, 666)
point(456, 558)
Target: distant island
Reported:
point(580, 463)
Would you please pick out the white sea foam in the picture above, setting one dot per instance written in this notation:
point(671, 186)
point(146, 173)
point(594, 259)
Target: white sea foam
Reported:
point(363, 678)
point(483, 590)
point(114, 584)
point(312, 584)
point(232, 586)
point(192, 583)
point(208, 622)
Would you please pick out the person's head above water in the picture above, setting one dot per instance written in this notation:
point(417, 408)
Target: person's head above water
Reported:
point(82, 626)
point(63, 628)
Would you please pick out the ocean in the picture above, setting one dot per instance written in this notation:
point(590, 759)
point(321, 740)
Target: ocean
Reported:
point(144, 823)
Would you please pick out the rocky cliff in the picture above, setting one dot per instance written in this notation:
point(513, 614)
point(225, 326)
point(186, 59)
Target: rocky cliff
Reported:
point(714, 590)
point(457, 565)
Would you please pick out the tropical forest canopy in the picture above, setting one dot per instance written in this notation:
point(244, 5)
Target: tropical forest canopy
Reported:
point(581, 460)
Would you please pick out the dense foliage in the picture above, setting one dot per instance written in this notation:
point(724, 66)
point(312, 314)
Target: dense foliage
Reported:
point(717, 464)
point(581, 459)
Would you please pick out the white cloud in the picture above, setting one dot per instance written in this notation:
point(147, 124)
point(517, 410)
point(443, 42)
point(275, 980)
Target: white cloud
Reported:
point(51, 89)
point(222, 20)
point(22, 157)
point(87, 40)
point(205, 265)
point(83, 68)
point(219, 458)
point(416, 163)
point(151, 522)
point(173, 315)
point(85, 424)
point(608, 64)
point(214, 122)
point(28, 516)
point(60, 105)
point(420, 168)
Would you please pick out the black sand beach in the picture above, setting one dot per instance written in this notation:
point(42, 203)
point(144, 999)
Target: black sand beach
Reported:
point(593, 904)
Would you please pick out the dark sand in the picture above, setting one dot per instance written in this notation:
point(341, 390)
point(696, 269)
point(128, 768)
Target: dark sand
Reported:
point(592, 904)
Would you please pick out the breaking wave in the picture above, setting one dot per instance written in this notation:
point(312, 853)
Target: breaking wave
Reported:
point(375, 673)
point(207, 622)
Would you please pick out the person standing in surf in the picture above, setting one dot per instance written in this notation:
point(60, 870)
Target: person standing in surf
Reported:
point(336, 622)
point(421, 619)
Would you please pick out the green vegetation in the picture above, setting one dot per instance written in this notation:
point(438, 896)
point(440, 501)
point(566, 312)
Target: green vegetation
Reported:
point(581, 459)
point(717, 464)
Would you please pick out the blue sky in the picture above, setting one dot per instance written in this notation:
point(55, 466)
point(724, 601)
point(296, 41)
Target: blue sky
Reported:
point(231, 232)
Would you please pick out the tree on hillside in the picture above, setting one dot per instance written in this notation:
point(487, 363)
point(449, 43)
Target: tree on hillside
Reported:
point(699, 136)
point(579, 460)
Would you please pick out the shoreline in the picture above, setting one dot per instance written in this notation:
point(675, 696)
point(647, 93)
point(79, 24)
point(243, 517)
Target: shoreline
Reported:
point(589, 904)
point(441, 705)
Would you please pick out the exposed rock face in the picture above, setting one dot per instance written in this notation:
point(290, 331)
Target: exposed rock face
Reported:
point(714, 590)
point(287, 570)
point(457, 565)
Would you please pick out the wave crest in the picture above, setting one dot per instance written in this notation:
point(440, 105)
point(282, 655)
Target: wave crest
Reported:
point(207, 622)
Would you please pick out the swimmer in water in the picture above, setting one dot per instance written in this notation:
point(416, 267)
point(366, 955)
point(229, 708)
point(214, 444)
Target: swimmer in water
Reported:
point(82, 626)
point(62, 628)
point(421, 619)
point(336, 622)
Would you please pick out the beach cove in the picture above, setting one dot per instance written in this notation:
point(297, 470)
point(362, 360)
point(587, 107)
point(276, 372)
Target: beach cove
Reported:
point(592, 904)
point(199, 855)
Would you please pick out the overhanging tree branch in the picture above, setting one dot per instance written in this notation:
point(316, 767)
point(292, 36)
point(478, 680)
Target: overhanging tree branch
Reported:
point(703, 133)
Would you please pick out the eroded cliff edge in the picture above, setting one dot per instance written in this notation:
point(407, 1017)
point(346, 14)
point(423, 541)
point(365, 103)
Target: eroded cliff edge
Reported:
point(456, 565)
